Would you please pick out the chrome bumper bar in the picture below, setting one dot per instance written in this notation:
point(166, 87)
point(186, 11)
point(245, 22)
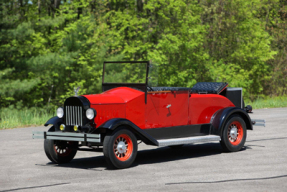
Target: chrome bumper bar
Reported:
point(258, 122)
point(64, 136)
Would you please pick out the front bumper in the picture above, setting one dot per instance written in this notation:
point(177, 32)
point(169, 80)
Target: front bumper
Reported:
point(65, 136)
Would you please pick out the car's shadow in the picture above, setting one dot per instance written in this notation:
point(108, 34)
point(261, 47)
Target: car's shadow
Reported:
point(149, 156)
point(166, 154)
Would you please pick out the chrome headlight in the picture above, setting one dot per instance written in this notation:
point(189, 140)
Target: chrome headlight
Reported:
point(91, 113)
point(60, 112)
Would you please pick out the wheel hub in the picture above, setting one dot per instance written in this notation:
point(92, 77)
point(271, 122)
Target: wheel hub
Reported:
point(233, 133)
point(121, 147)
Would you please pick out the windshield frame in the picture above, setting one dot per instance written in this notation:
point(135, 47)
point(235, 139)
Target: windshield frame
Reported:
point(140, 86)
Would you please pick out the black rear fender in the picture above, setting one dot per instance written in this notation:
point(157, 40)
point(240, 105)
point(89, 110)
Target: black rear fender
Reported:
point(220, 117)
point(115, 123)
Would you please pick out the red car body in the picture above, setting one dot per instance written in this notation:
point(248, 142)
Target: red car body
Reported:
point(162, 116)
point(185, 108)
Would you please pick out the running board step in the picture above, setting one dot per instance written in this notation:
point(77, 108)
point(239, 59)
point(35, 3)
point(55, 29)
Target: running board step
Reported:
point(188, 140)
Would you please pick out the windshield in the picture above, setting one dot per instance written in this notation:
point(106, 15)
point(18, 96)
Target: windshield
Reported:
point(153, 75)
point(125, 72)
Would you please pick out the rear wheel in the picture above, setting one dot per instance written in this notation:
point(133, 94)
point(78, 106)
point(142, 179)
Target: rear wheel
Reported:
point(120, 148)
point(60, 151)
point(234, 134)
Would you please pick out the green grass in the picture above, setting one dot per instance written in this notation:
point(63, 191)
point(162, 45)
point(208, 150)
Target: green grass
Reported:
point(12, 118)
point(269, 102)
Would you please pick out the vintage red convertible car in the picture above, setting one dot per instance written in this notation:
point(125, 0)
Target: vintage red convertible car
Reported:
point(130, 109)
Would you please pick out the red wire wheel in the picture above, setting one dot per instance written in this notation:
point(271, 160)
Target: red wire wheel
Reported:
point(233, 134)
point(120, 148)
point(123, 147)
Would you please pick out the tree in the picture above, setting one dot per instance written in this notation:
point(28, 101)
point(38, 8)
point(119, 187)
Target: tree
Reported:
point(238, 44)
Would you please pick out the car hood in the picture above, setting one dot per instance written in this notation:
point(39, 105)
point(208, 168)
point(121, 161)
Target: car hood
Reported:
point(119, 95)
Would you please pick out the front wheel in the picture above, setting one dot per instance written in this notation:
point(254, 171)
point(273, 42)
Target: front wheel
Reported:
point(60, 151)
point(234, 134)
point(120, 148)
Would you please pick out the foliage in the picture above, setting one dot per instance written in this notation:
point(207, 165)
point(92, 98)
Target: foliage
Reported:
point(239, 44)
point(48, 48)
point(275, 15)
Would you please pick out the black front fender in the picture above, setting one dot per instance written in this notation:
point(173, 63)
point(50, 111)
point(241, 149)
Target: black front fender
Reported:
point(56, 121)
point(221, 116)
point(113, 124)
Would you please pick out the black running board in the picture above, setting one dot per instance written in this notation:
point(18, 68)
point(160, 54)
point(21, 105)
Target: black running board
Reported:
point(188, 140)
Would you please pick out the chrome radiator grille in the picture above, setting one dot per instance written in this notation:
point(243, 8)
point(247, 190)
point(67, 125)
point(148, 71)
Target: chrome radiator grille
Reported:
point(74, 115)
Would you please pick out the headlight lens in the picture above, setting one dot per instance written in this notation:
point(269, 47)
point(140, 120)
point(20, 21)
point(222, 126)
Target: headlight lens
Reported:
point(60, 112)
point(90, 113)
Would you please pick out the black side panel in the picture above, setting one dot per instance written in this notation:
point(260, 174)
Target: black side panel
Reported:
point(235, 96)
point(179, 131)
point(221, 116)
point(112, 124)
point(56, 121)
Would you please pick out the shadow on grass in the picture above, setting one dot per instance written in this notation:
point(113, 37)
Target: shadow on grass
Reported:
point(149, 156)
